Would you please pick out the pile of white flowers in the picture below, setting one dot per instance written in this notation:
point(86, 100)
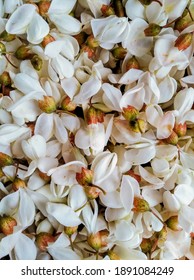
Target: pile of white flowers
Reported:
point(96, 129)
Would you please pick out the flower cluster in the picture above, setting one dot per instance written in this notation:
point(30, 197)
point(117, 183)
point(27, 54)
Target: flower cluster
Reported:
point(96, 129)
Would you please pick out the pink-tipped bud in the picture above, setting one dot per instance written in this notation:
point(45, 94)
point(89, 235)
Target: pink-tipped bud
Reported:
point(47, 105)
point(44, 176)
point(183, 41)
point(152, 30)
point(70, 230)
point(134, 175)
point(23, 52)
point(94, 116)
point(18, 183)
point(172, 139)
point(113, 256)
point(98, 240)
point(47, 39)
point(146, 245)
point(173, 223)
point(85, 177)
point(37, 62)
point(7, 37)
point(180, 129)
point(44, 7)
point(119, 52)
point(140, 205)
point(132, 63)
point(90, 51)
point(91, 42)
point(43, 239)
point(92, 192)
point(5, 79)
point(68, 105)
point(107, 10)
point(5, 160)
point(7, 224)
point(181, 24)
point(130, 113)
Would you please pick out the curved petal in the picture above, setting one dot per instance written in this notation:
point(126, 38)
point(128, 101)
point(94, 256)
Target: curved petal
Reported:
point(44, 126)
point(25, 248)
point(60, 130)
point(61, 6)
point(66, 23)
point(37, 29)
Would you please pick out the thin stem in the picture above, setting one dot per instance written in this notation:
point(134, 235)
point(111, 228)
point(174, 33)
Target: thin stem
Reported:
point(97, 255)
point(103, 191)
point(169, 24)
point(71, 243)
point(80, 208)
point(10, 62)
point(17, 167)
point(157, 216)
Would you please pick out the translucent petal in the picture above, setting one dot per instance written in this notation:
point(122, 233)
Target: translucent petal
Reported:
point(44, 126)
point(25, 249)
point(111, 97)
point(37, 29)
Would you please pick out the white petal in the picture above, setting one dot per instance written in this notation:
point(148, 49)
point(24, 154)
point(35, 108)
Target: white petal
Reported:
point(149, 177)
point(19, 20)
point(111, 97)
point(77, 197)
point(9, 204)
point(61, 6)
point(126, 193)
point(27, 84)
point(170, 202)
point(66, 23)
point(35, 147)
point(184, 193)
point(60, 130)
point(140, 156)
point(25, 248)
point(54, 48)
point(26, 211)
point(82, 139)
point(137, 11)
point(111, 199)
point(44, 126)
point(167, 89)
point(10, 132)
point(47, 163)
point(37, 29)
point(124, 230)
point(71, 86)
point(7, 244)
point(63, 214)
point(62, 67)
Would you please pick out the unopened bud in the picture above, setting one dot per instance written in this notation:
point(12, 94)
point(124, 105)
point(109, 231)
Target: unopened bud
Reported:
point(44, 7)
point(44, 176)
point(148, 2)
point(92, 192)
point(132, 63)
point(92, 42)
point(113, 256)
point(119, 53)
point(2, 49)
point(7, 224)
point(43, 239)
point(180, 129)
point(5, 160)
point(23, 52)
point(68, 105)
point(81, 37)
point(134, 175)
point(140, 205)
point(183, 41)
point(94, 116)
point(107, 10)
point(70, 230)
point(162, 236)
point(47, 105)
point(173, 223)
point(172, 139)
point(18, 183)
point(94, 240)
point(85, 177)
point(37, 62)
point(5, 79)
point(152, 30)
point(47, 39)
point(146, 245)
point(119, 8)
point(88, 50)
point(7, 37)
point(130, 113)
point(181, 24)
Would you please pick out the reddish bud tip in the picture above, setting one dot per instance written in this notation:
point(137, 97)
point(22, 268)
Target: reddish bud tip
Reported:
point(7, 224)
point(140, 205)
point(130, 113)
point(68, 105)
point(183, 41)
point(85, 177)
point(18, 183)
point(98, 240)
point(88, 50)
point(91, 42)
point(43, 239)
point(47, 39)
point(94, 116)
point(107, 10)
point(132, 63)
point(180, 129)
point(172, 139)
point(134, 175)
point(92, 192)
point(47, 105)
point(44, 7)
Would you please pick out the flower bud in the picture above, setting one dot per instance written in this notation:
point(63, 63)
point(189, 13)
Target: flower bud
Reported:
point(92, 192)
point(7, 37)
point(183, 41)
point(181, 24)
point(119, 53)
point(180, 129)
point(5, 79)
point(5, 160)
point(134, 175)
point(107, 10)
point(68, 105)
point(88, 50)
point(113, 256)
point(23, 52)
point(140, 205)
point(81, 37)
point(44, 7)
point(95, 241)
point(2, 49)
point(132, 63)
point(43, 239)
point(18, 183)
point(70, 230)
point(119, 8)
point(173, 223)
point(7, 224)
point(94, 116)
point(146, 245)
point(152, 30)
point(85, 177)
point(162, 236)
point(44, 176)
point(37, 62)
point(130, 113)
point(47, 105)
point(92, 42)
point(47, 39)
point(172, 139)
